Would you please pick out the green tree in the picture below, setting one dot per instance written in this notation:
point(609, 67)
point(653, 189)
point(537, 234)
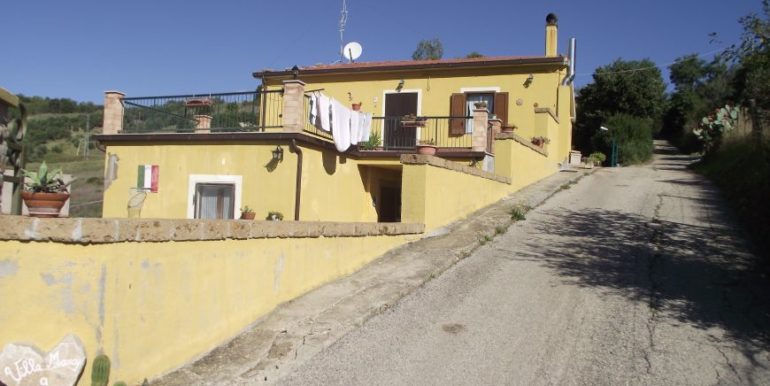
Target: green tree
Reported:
point(428, 50)
point(474, 54)
point(633, 88)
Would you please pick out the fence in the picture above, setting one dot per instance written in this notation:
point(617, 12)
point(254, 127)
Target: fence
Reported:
point(398, 133)
point(229, 112)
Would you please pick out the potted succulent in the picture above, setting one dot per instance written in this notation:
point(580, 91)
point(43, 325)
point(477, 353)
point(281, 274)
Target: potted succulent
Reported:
point(45, 192)
point(247, 213)
point(427, 147)
point(274, 216)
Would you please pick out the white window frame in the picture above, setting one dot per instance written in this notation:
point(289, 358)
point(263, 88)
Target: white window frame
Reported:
point(195, 179)
point(419, 106)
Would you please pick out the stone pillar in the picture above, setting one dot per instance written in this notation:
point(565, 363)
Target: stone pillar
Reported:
point(204, 124)
point(113, 112)
point(293, 105)
point(480, 122)
point(497, 128)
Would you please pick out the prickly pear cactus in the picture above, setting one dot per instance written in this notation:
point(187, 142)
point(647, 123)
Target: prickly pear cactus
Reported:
point(100, 372)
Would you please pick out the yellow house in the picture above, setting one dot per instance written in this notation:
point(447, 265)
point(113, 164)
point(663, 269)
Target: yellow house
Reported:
point(209, 156)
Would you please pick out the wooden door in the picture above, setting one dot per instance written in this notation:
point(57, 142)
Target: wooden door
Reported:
point(396, 106)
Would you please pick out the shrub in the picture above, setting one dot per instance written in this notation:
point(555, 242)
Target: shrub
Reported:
point(633, 136)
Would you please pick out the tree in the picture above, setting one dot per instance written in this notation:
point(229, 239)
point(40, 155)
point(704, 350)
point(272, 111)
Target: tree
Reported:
point(428, 50)
point(634, 88)
point(474, 54)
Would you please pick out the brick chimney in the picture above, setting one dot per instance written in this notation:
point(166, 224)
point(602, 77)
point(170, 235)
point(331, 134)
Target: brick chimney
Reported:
point(551, 34)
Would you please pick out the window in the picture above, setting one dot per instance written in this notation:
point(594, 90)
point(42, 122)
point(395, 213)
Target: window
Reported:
point(462, 105)
point(470, 100)
point(214, 196)
point(215, 201)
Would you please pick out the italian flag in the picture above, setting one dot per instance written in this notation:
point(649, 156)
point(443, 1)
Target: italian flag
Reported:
point(147, 178)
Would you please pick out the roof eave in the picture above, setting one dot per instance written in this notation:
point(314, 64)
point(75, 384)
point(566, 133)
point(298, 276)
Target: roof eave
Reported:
point(558, 61)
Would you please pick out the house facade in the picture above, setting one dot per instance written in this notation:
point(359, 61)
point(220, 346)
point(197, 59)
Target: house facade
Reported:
point(210, 156)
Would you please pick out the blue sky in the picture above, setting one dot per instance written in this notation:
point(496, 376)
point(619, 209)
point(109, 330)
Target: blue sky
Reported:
point(79, 48)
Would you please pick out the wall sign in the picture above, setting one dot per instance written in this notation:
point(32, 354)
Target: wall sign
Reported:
point(28, 366)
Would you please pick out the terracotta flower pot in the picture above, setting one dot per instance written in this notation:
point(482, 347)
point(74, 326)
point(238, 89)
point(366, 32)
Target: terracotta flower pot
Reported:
point(426, 149)
point(41, 204)
point(248, 215)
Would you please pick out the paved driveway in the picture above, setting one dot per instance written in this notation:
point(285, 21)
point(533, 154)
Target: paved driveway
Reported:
point(632, 276)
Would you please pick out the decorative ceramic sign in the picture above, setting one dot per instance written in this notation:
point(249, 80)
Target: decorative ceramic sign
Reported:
point(22, 365)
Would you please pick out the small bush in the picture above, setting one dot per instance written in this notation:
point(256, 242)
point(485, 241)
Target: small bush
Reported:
point(518, 213)
point(597, 157)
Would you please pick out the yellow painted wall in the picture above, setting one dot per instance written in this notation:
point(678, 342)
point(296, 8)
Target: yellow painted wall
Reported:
point(435, 88)
point(521, 164)
point(153, 306)
point(334, 187)
point(436, 196)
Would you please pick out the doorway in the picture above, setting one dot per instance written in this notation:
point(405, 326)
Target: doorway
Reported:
point(390, 204)
point(396, 106)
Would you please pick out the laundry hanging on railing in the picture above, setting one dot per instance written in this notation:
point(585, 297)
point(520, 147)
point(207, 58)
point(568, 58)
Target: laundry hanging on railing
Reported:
point(348, 127)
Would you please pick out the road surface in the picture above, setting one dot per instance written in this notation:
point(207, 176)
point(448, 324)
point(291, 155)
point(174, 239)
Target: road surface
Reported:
point(634, 275)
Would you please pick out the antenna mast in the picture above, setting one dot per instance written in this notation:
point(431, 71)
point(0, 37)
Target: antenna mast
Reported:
point(343, 21)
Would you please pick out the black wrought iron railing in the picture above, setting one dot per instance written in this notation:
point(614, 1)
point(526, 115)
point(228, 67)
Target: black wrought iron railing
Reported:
point(398, 133)
point(310, 127)
point(226, 112)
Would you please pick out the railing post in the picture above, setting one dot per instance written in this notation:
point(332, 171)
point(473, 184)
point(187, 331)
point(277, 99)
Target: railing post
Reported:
point(293, 105)
point(480, 122)
point(113, 112)
point(203, 124)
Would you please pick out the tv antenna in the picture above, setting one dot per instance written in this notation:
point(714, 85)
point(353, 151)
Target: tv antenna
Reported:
point(343, 21)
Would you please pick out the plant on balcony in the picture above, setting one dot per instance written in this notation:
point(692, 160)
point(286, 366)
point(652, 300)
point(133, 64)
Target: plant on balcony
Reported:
point(373, 143)
point(412, 121)
point(427, 147)
point(274, 216)
point(45, 193)
point(247, 213)
point(540, 141)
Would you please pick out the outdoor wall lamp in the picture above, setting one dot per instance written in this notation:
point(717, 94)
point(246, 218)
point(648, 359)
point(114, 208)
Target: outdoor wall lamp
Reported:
point(278, 154)
point(529, 80)
point(400, 85)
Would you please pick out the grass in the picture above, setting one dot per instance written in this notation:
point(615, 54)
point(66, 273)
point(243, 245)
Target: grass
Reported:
point(518, 212)
point(741, 169)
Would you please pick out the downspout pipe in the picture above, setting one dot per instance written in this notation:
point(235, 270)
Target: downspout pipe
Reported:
point(298, 189)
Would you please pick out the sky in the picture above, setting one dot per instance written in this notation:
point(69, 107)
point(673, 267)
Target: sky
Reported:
point(80, 48)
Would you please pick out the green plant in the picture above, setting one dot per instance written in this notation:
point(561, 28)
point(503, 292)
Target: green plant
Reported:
point(518, 213)
point(597, 157)
point(713, 126)
point(45, 181)
point(374, 141)
point(246, 209)
point(540, 140)
point(428, 142)
point(500, 229)
point(275, 216)
point(100, 371)
point(119, 383)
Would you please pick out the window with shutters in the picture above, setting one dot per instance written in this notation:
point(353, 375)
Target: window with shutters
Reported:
point(214, 196)
point(462, 105)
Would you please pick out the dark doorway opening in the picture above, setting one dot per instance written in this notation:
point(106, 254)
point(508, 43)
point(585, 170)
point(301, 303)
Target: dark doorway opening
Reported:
point(390, 204)
point(396, 106)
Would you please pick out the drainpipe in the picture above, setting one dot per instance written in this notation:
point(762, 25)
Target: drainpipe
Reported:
point(298, 190)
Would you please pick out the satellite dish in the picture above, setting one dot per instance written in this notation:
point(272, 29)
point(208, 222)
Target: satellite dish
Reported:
point(352, 51)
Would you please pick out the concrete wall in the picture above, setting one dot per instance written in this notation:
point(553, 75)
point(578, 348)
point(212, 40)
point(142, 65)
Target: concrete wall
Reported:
point(437, 192)
point(154, 294)
point(522, 162)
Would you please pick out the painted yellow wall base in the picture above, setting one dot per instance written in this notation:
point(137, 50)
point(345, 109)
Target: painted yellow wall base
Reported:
point(153, 306)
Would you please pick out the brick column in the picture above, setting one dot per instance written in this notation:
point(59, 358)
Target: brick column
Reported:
point(113, 112)
point(204, 124)
point(293, 105)
point(480, 122)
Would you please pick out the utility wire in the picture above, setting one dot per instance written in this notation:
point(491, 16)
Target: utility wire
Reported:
point(648, 67)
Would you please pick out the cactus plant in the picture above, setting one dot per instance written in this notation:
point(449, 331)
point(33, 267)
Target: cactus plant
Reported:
point(100, 371)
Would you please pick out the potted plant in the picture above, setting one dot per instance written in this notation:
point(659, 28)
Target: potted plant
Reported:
point(247, 213)
point(372, 144)
point(412, 121)
point(274, 216)
point(427, 147)
point(508, 128)
point(540, 141)
point(45, 193)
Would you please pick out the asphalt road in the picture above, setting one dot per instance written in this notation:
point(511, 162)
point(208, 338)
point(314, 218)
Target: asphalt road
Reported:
point(634, 275)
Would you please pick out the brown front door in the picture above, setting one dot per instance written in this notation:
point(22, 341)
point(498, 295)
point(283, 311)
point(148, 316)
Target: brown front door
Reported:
point(396, 106)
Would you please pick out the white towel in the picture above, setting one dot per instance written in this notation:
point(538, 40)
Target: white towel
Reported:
point(340, 125)
point(366, 126)
point(324, 105)
point(355, 127)
point(313, 108)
